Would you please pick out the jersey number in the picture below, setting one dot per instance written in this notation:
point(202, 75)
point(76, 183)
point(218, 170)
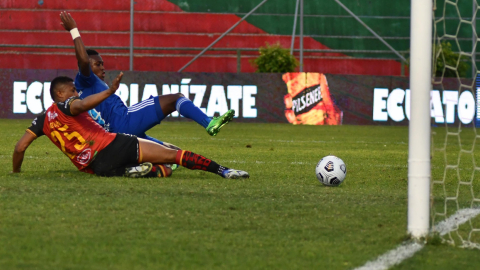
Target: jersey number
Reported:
point(56, 136)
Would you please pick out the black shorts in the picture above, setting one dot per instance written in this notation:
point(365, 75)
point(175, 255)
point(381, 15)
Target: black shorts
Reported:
point(112, 160)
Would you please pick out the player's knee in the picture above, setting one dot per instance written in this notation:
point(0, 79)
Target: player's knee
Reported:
point(168, 102)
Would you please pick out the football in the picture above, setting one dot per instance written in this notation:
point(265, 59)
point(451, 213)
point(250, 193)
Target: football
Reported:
point(331, 171)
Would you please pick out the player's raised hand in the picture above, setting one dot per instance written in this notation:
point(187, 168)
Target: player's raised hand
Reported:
point(116, 83)
point(67, 21)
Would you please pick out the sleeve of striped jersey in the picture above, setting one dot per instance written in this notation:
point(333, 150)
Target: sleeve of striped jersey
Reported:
point(37, 126)
point(65, 106)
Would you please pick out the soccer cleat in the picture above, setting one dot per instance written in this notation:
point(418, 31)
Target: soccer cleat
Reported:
point(235, 174)
point(218, 122)
point(141, 170)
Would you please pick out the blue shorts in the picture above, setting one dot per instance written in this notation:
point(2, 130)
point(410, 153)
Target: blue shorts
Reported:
point(141, 117)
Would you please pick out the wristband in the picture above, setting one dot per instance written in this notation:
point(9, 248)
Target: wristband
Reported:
point(74, 32)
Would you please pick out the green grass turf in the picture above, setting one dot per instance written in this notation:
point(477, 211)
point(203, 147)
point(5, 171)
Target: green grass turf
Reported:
point(55, 217)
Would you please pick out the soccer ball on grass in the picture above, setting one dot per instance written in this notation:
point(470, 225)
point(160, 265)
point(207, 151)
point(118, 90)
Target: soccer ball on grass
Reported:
point(331, 171)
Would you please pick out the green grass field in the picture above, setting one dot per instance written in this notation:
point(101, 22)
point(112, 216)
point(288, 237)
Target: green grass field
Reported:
point(55, 217)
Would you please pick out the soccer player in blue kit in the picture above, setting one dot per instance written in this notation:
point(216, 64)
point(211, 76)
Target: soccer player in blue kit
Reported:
point(138, 118)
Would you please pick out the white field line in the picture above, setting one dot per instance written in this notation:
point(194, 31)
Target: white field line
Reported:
point(393, 257)
point(408, 248)
point(455, 220)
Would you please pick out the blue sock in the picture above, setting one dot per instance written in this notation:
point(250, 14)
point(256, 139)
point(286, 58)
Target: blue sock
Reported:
point(186, 108)
point(152, 139)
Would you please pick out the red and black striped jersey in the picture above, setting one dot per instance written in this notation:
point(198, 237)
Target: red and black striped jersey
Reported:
point(79, 137)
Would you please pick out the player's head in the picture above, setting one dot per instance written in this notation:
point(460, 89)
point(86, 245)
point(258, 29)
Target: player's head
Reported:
point(61, 88)
point(96, 62)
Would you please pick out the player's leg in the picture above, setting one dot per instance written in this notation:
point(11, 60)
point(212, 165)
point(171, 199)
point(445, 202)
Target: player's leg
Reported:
point(171, 167)
point(166, 144)
point(178, 102)
point(140, 118)
point(160, 170)
point(184, 106)
point(159, 154)
point(150, 112)
point(120, 158)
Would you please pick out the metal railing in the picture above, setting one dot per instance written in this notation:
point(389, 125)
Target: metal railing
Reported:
point(298, 14)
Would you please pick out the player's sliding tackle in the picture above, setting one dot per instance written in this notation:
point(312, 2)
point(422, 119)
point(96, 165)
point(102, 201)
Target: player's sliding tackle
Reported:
point(92, 149)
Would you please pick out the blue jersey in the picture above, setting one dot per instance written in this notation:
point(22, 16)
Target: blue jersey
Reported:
point(112, 110)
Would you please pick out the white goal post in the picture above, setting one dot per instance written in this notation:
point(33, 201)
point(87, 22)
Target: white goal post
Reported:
point(419, 127)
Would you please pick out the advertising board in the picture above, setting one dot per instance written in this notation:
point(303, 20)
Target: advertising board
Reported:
point(296, 98)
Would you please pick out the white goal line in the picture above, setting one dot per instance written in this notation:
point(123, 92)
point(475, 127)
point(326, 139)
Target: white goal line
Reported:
point(409, 248)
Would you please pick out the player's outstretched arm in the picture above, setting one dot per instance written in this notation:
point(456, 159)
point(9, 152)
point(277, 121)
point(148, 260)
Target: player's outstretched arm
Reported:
point(82, 57)
point(92, 101)
point(20, 149)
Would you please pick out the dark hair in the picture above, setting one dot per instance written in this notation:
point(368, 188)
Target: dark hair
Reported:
point(56, 82)
point(92, 52)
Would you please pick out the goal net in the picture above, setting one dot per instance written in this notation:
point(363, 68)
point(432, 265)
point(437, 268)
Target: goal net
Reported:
point(455, 140)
